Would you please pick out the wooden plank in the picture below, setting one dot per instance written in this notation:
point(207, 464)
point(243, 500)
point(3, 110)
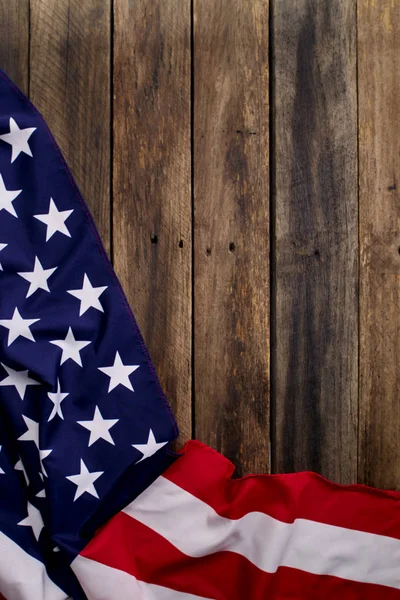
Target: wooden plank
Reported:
point(152, 189)
point(14, 41)
point(315, 362)
point(231, 222)
point(379, 143)
point(70, 85)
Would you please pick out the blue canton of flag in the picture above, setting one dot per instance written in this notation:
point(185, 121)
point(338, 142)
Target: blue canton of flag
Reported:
point(84, 423)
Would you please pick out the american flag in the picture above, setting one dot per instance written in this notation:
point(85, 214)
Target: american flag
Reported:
point(84, 423)
point(93, 504)
point(197, 534)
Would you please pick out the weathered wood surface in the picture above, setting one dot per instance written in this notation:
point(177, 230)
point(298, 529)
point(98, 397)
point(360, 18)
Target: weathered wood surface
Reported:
point(379, 157)
point(315, 372)
point(152, 185)
point(231, 229)
point(14, 41)
point(236, 234)
point(69, 82)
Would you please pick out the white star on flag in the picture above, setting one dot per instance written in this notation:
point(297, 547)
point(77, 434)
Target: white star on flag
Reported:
point(150, 448)
point(18, 378)
point(18, 327)
point(84, 481)
point(88, 295)
point(99, 428)
point(2, 246)
point(37, 278)
point(34, 520)
point(55, 220)
point(32, 434)
point(119, 373)
point(7, 197)
point(71, 348)
point(57, 397)
point(18, 139)
point(19, 466)
point(1, 470)
point(44, 454)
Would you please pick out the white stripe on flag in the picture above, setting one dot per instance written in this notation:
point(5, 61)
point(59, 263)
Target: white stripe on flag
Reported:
point(197, 530)
point(23, 577)
point(101, 582)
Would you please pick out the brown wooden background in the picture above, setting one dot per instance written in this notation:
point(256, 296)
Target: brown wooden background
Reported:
point(241, 159)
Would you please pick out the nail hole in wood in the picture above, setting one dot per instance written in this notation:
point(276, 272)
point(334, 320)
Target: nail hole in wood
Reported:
point(154, 239)
point(232, 247)
point(317, 253)
point(208, 251)
point(180, 244)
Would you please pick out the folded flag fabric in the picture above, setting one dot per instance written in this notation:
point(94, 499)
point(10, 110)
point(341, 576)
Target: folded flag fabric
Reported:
point(195, 533)
point(84, 423)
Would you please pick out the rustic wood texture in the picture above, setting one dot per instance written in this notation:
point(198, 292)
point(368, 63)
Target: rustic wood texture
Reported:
point(152, 186)
point(316, 254)
point(14, 41)
point(231, 230)
point(379, 158)
point(227, 230)
point(70, 85)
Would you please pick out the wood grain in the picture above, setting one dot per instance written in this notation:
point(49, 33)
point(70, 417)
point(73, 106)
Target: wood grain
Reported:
point(70, 85)
point(14, 41)
point(379, 114)
point(152, 187)
point(334, 298)
point(231, 228)
point(316, 268)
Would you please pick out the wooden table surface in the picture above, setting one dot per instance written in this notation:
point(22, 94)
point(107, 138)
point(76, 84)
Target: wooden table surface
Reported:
point(241, 160)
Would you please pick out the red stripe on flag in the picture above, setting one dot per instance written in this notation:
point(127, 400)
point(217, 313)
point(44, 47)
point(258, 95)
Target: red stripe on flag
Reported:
point(129, 546)
point(207, 475)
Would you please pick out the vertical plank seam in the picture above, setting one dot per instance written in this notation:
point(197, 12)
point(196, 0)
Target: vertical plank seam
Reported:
point(111, 134)
point(193, 387)
point(359, 258)
point(272, 223)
